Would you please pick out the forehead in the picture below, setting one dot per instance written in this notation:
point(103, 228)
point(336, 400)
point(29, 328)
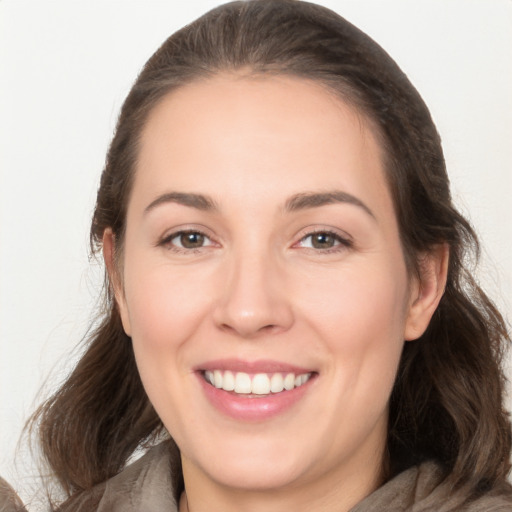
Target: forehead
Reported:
point(234, 135)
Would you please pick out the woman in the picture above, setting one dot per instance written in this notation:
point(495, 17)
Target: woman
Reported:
point(287, 296)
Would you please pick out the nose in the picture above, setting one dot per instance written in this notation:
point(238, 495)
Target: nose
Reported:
point(254, 299)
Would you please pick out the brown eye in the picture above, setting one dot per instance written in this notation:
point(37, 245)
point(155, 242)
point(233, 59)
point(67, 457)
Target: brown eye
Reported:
point(186, 240)
point(191, 240)
point(323, 241)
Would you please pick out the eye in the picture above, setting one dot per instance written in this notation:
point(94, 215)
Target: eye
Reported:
point(324, 240)
point(187, 240)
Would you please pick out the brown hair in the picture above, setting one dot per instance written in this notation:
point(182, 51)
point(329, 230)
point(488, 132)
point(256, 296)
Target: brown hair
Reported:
point(446, 404)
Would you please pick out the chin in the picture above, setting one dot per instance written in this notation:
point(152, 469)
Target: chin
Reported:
point(258, 467)
point(257, 476)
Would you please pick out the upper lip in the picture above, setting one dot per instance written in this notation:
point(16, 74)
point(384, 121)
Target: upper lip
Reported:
point(259, 366)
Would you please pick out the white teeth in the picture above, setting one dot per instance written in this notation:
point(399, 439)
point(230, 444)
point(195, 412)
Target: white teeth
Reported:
point(217, 379)
point(209, 377)
point(228, 383)
point(258, 384)
point(289, 382)
point(276, 383)
point(242, 383)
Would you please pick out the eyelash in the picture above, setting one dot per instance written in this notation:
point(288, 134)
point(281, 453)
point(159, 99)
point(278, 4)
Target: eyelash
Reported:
point(341, 243)
point(167, 241)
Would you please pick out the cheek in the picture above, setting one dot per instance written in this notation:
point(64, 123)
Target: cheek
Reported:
point(165, 310)
point(358, 302)
point(165, 307)
point(360, 317)
point(157, 308)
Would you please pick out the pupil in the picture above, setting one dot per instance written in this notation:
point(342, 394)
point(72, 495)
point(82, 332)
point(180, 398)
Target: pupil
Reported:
point(322, 240)
point(192, 240)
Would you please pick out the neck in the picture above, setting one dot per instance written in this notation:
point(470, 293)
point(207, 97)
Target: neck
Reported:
point(338, 491)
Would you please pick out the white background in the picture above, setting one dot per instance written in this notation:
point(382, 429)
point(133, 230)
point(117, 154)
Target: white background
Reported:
point(65, 67)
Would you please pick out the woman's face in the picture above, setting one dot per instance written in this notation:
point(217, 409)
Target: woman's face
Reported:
point(262, 253)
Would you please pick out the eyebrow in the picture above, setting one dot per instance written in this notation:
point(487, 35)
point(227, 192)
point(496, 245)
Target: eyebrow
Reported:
point(197, 201)
point(301, 201)
point(307, 200)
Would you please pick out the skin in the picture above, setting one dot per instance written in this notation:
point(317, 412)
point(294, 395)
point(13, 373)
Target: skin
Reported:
point(259, 289)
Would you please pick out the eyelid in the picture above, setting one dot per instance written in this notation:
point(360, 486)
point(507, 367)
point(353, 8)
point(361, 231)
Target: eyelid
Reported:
point(179, 234)
point(342, 237)
point(165, 240)
point(344, 240)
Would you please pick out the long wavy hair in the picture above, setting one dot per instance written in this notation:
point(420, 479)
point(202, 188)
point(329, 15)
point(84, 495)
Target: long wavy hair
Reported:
point(447, 401)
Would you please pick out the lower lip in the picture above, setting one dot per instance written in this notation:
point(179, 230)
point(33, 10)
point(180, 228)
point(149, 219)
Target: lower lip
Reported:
point(252, 407)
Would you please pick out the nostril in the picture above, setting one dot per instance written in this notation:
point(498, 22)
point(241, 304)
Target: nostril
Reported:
point(249, 331)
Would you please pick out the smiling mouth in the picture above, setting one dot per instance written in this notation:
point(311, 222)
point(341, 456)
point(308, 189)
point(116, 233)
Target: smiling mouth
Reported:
point(259, 384)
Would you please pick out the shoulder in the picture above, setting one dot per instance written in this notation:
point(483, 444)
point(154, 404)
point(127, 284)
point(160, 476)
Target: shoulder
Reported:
point(497, 500)
point(144, 485)
point(423, 488)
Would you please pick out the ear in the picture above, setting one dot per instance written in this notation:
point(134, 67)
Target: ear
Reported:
point(115, 278)
point(427, 291)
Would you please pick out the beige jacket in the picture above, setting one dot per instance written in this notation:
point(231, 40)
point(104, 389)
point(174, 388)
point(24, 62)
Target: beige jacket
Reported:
point(146, 486)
